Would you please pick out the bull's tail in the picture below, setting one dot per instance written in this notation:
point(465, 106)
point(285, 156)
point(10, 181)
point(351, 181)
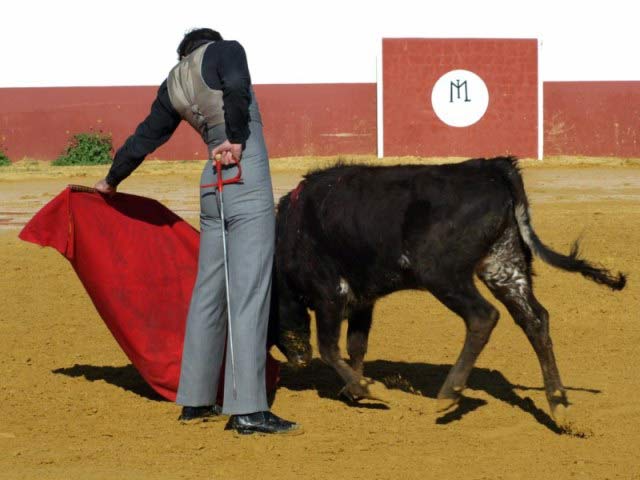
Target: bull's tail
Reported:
point(572, 262)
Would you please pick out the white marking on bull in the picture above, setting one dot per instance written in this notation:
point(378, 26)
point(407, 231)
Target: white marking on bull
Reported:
point(343, 287)
point(502, 270)
point(404, 261)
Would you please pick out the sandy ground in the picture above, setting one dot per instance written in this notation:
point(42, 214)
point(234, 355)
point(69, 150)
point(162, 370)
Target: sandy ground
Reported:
point(71, 406)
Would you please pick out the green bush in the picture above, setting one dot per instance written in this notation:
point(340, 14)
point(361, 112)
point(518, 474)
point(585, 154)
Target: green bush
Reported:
point(4, 160)
point(87, 149)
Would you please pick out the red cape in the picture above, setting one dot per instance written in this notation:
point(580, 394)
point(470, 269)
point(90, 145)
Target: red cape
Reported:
point(138, 262)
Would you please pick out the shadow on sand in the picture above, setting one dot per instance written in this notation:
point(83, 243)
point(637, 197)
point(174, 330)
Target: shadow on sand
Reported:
point(125, 377)
point(422, 379)
point(414, 378)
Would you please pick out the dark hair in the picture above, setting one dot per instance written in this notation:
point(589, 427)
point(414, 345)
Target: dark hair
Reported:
point(194, 38)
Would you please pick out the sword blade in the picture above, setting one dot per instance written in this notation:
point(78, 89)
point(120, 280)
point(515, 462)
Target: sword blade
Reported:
point(226, 283)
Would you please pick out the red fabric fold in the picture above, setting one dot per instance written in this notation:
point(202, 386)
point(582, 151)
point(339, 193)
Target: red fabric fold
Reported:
point(138, 262)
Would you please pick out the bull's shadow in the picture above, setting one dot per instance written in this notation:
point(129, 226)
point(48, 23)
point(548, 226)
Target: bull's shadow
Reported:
point(414, 378)
point(421, 379)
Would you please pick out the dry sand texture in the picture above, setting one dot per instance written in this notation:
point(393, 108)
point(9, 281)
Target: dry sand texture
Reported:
point(71, 406)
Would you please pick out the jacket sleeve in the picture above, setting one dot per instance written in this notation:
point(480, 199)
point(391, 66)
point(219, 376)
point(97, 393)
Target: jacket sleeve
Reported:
point(235, 80)
point(155, 130)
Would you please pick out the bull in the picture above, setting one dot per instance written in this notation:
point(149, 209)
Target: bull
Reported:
point(350, 234)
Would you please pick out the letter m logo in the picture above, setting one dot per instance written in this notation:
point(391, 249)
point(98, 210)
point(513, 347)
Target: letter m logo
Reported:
point(458, 86)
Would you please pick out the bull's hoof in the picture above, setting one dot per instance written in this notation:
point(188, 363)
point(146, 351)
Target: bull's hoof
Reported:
point(378, 391)
point(362, 389)
point(561, 415)
point(444, 405)
point(448, 398)
point(565, 418)
point(560, 409)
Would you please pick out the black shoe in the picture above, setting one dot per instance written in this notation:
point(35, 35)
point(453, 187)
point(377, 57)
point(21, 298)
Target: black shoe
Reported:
point(200, 414)
point(262, 422)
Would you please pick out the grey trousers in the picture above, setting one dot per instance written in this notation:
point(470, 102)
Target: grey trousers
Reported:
point(250, 222)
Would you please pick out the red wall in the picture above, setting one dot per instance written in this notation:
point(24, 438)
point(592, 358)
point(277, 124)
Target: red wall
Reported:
point(509, 69)
point(318, 119)
point(580, 118)
point(592, 118)
point(329, 119)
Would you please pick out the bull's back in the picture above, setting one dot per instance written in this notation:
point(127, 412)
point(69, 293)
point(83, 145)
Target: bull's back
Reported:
point(369, 221)
point(364, 204)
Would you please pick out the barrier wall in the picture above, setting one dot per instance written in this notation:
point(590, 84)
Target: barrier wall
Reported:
point(509, 70)
point(592, 118)
point(580, 118)
point(318, 119)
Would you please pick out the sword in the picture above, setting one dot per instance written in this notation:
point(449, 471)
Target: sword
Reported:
point(217, 165)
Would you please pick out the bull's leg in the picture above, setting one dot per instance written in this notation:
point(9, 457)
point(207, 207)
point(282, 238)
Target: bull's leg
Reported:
point(507, 274)
point(534, 320)
point(480, 318)
point(358, 336)
point(328, 320)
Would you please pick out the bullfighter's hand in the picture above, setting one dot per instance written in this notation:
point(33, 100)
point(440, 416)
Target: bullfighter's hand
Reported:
point(103, 187)
point(231, 152)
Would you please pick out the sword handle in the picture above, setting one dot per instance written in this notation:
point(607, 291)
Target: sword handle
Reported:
point(218, 169)
point(221, 181)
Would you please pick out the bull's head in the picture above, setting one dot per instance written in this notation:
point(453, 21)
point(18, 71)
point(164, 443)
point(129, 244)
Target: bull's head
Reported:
point(290, 328)
point(296, 347)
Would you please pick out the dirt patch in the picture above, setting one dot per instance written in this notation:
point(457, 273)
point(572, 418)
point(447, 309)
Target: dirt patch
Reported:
point(71, 406)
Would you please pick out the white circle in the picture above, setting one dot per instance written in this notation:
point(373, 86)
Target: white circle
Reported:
point(460, 98)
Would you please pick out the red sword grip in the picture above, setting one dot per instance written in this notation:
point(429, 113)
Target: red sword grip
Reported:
point(220, 181)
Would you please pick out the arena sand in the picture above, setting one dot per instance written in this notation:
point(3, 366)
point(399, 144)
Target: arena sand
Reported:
point(72, 407)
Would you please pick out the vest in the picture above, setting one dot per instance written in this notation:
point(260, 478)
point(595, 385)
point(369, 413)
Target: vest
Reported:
point(194, 100)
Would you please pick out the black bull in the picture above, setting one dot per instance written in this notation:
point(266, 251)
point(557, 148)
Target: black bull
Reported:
point(349, 235)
